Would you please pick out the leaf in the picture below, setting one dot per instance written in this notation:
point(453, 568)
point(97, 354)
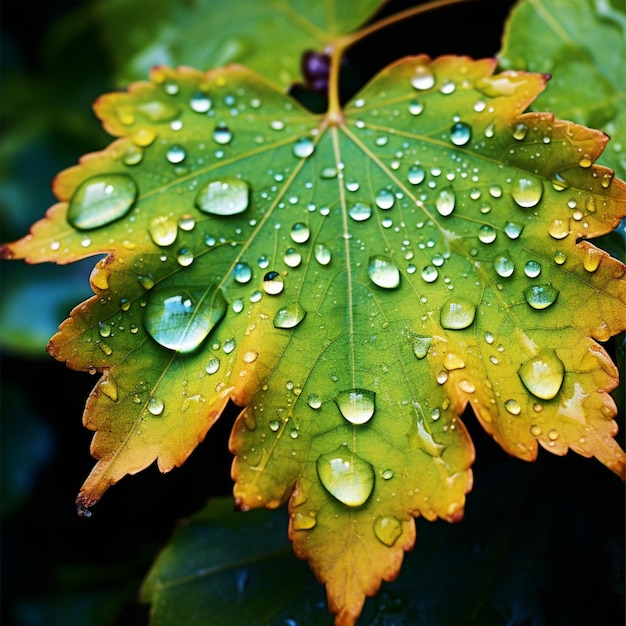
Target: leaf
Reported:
point(268, 37)
point(354, 280)
point(582, 46)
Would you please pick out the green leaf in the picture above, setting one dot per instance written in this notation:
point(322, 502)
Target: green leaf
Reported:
point(268, 37)
point(582, 46)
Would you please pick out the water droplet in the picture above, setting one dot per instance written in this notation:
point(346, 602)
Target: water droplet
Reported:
point(242, 273)
point(445, 201)
point(133, 155)
point(385, 199)
point(488, 337)
point(212, 365)
point(558, 229)
point(512, 230)
point(292, 257)
point(360, 212)
point(328, 173)
point(466, 385)
point(430, 274)
point(592, 259)
point(543, 374)
point(532, 269)
point(527, 191)
point(104, 329)
point(415, 107)
point(541, 296)
point(322, 254)
point(416, 174)
point(300, 232)
point(250, 356)
point(504, 266)
point(184, 257)
point(457, 313)
point(356, 405)
point(388, 529)
point(181, 319)
point(560, 257)
point(303, 147)
point(513, 407)
point(200, 102)
point(585, 161)
point(273, 283)
point(225, 196)
point(175, 155)
point(289, 316)
point(222, 134)
point(229, 346)
point(453, 361)
point(383, 272)
point(519, 131)
point(163, 230)
point(421, 346)
point(346, 476)
point(274, 425)
point(146, 281)
point(387, 474)
point(100, 200)
point(422, 78)
point(535, 430)
point(156, 406)
point(495, 191)
point(238, 305)
point(314, 401)
point(460, 133)
point(487, 233)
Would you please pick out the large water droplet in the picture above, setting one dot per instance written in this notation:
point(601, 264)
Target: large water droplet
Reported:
point(430, 274)
point(513, 230)
point(383, 272)
point(385, 199)
point(527, 191)
point(303, 147)
point(175, 155)
point(346, 476)
point(273, 283)
point(532, 269)
point(504, 266)
point(388, 529)
point(322, 254)
point(242, 273)
point(416, 174)
point(292, 257)
point(300, 232)
point(289, 316)
point(222, 134)
point(422, 78)
point(543, 374)
point(445, 201)
point(360, 212)
point(225, 196)
point(558, 229)
point(460, 133)
point(513, 407)
point(200, 102)
point(421, 346)
point(100, 200)
point(182, 318)
point(487, 233)
point(356, 405)
point(156, 406)
point(541, 296)
point(457, 313)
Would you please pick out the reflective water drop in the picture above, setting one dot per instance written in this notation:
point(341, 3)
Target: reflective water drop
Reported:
point(360, 212)
point(156, 406)
point(184, 257)
point(460, 133)
point(229, 346)
point(292, 257)
point(416, 174)
point(383, 272)
point(146, 280)
point(225, 196)
point(356, 405)
point(181, 319)
point(519, 131)
point(430, 274)
point(592, 259)
point(495, 191)
point(527, 191)
point(273, 283)
point(387, 474)
point(466, 385)
point(250, 356)
point(560, 257)
point(274, 425)
point(452, 361)
point(541, 296)
point(242, 273)
point(104, 329)
point(200, 102)
point(535, 430)
point(300, 232)
point(314, 401)
point(457, 313)
point(558, 229)
point(100, 200)
point(504, 266)
point(445, 201)
point(303, 147)
point(222, 134)
point(415, 107)
point(187, 223)
point(346, 476)
point(532, 269)
point(513, 230)
point(212, 365)
point(289, 316)
point(322, 254)
point(513, 407)
point(163, 230)
point(175, 155)
point(328, 173)
point(133, 155)
point(422, 78)
point(388, 529)
point(487, 233)
point(543, 374)
point(421, 346)
point(385, 199)
point(488, 337)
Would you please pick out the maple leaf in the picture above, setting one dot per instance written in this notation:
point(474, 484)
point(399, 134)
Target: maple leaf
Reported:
point(353, 280)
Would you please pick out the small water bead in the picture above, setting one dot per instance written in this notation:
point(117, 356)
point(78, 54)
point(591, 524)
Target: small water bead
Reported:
point(448, 87)
point(543, 374)
point(385, 199)
point(527, 191)
point(488, 337)
point(184, 257)
point(156, 406)
point(430, 274)
point(415, 107)
point(292, 257)
point(460, 133)
point(519, 131)
point(541, 297)
point(212, 365)
point(175, 155)
point(200, 102)
point(416, 174)
point(346, 476)
point(382, 140)
point(328, 173)
point(438, 260)
point(250, 356)
point(146, 280)
point(100, 200)
point(387, 474)
point(229, 346)
point(274, 425)
point(300, 232)
point(273, 283)
point(360, 212)
point(238, 305)
point(289, 316)
point(242, 273)
point(457, 313)
point(263, 262)
point(513, 230)
point(187, 223)
point(108, 387)
point(388, 529)
point(383, 272)
point(222, 135)
point(352, 185)
point(495, 191)
point(256, 296)
point(163, 230)
point(532, 269)
point(322, 254)
point(423, 78)
point(535, 430)
point(104, 329)
point(513, 407)
point(503, 266)
point(181, 319)
point(487, 233)
point(124, 304)
point(452, 361)
point(356, 405)
point(421, 346)
point(466, 385)
point(303, 147)
point(446, 201)
point(442, 377)
point(560, 257)
point(592, 259)
point(314, 401)
point(558, 229)
point(133, 155)
point(224, 196)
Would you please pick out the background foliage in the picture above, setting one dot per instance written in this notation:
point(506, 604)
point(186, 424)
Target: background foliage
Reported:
point(509, 561)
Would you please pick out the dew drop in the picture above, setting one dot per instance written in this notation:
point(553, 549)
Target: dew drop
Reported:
point(422, 78)
point(430, 274)
point(289, 316)
point(527, 191)
point(300, 232)
point(487, 233)
point(383, 272)
point(415, 107)
point(156, 406)
point(519, 131)
point(453, 361)
point(100, 200)
point(184, 257)
point(250, 356)
point(387, 529)
point(513, 230)
point(560, 257)
point(385, 199)
point(421, 346)
point(346, 476)
point(504, 266)
point(146, 280)
point(212, 365)
point(356, 405)
point(513, 407)
point(535, 430)
point(445, 201)
point(292, 257)
point(175, 155)
point(592, 259)
point(242, 273)
point(109, 388)
point(457, 313)
point(541, 296)
point(229, 346)
point(274, 425)
point(200, 102)
point(104, 329)
point(322, 254)
point(314, 401)
point(181, 319)
point(303, 147)
point(163, 230)
point(558, 229)
point(273, 283)
point(360, 212)
point(225, 196)
point(460, 133)
point(416, 174)
point(543, 374)
point(532, 269)
point(222, 135)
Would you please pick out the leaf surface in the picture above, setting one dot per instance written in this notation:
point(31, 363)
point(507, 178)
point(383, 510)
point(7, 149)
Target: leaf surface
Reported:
point(353, 282)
